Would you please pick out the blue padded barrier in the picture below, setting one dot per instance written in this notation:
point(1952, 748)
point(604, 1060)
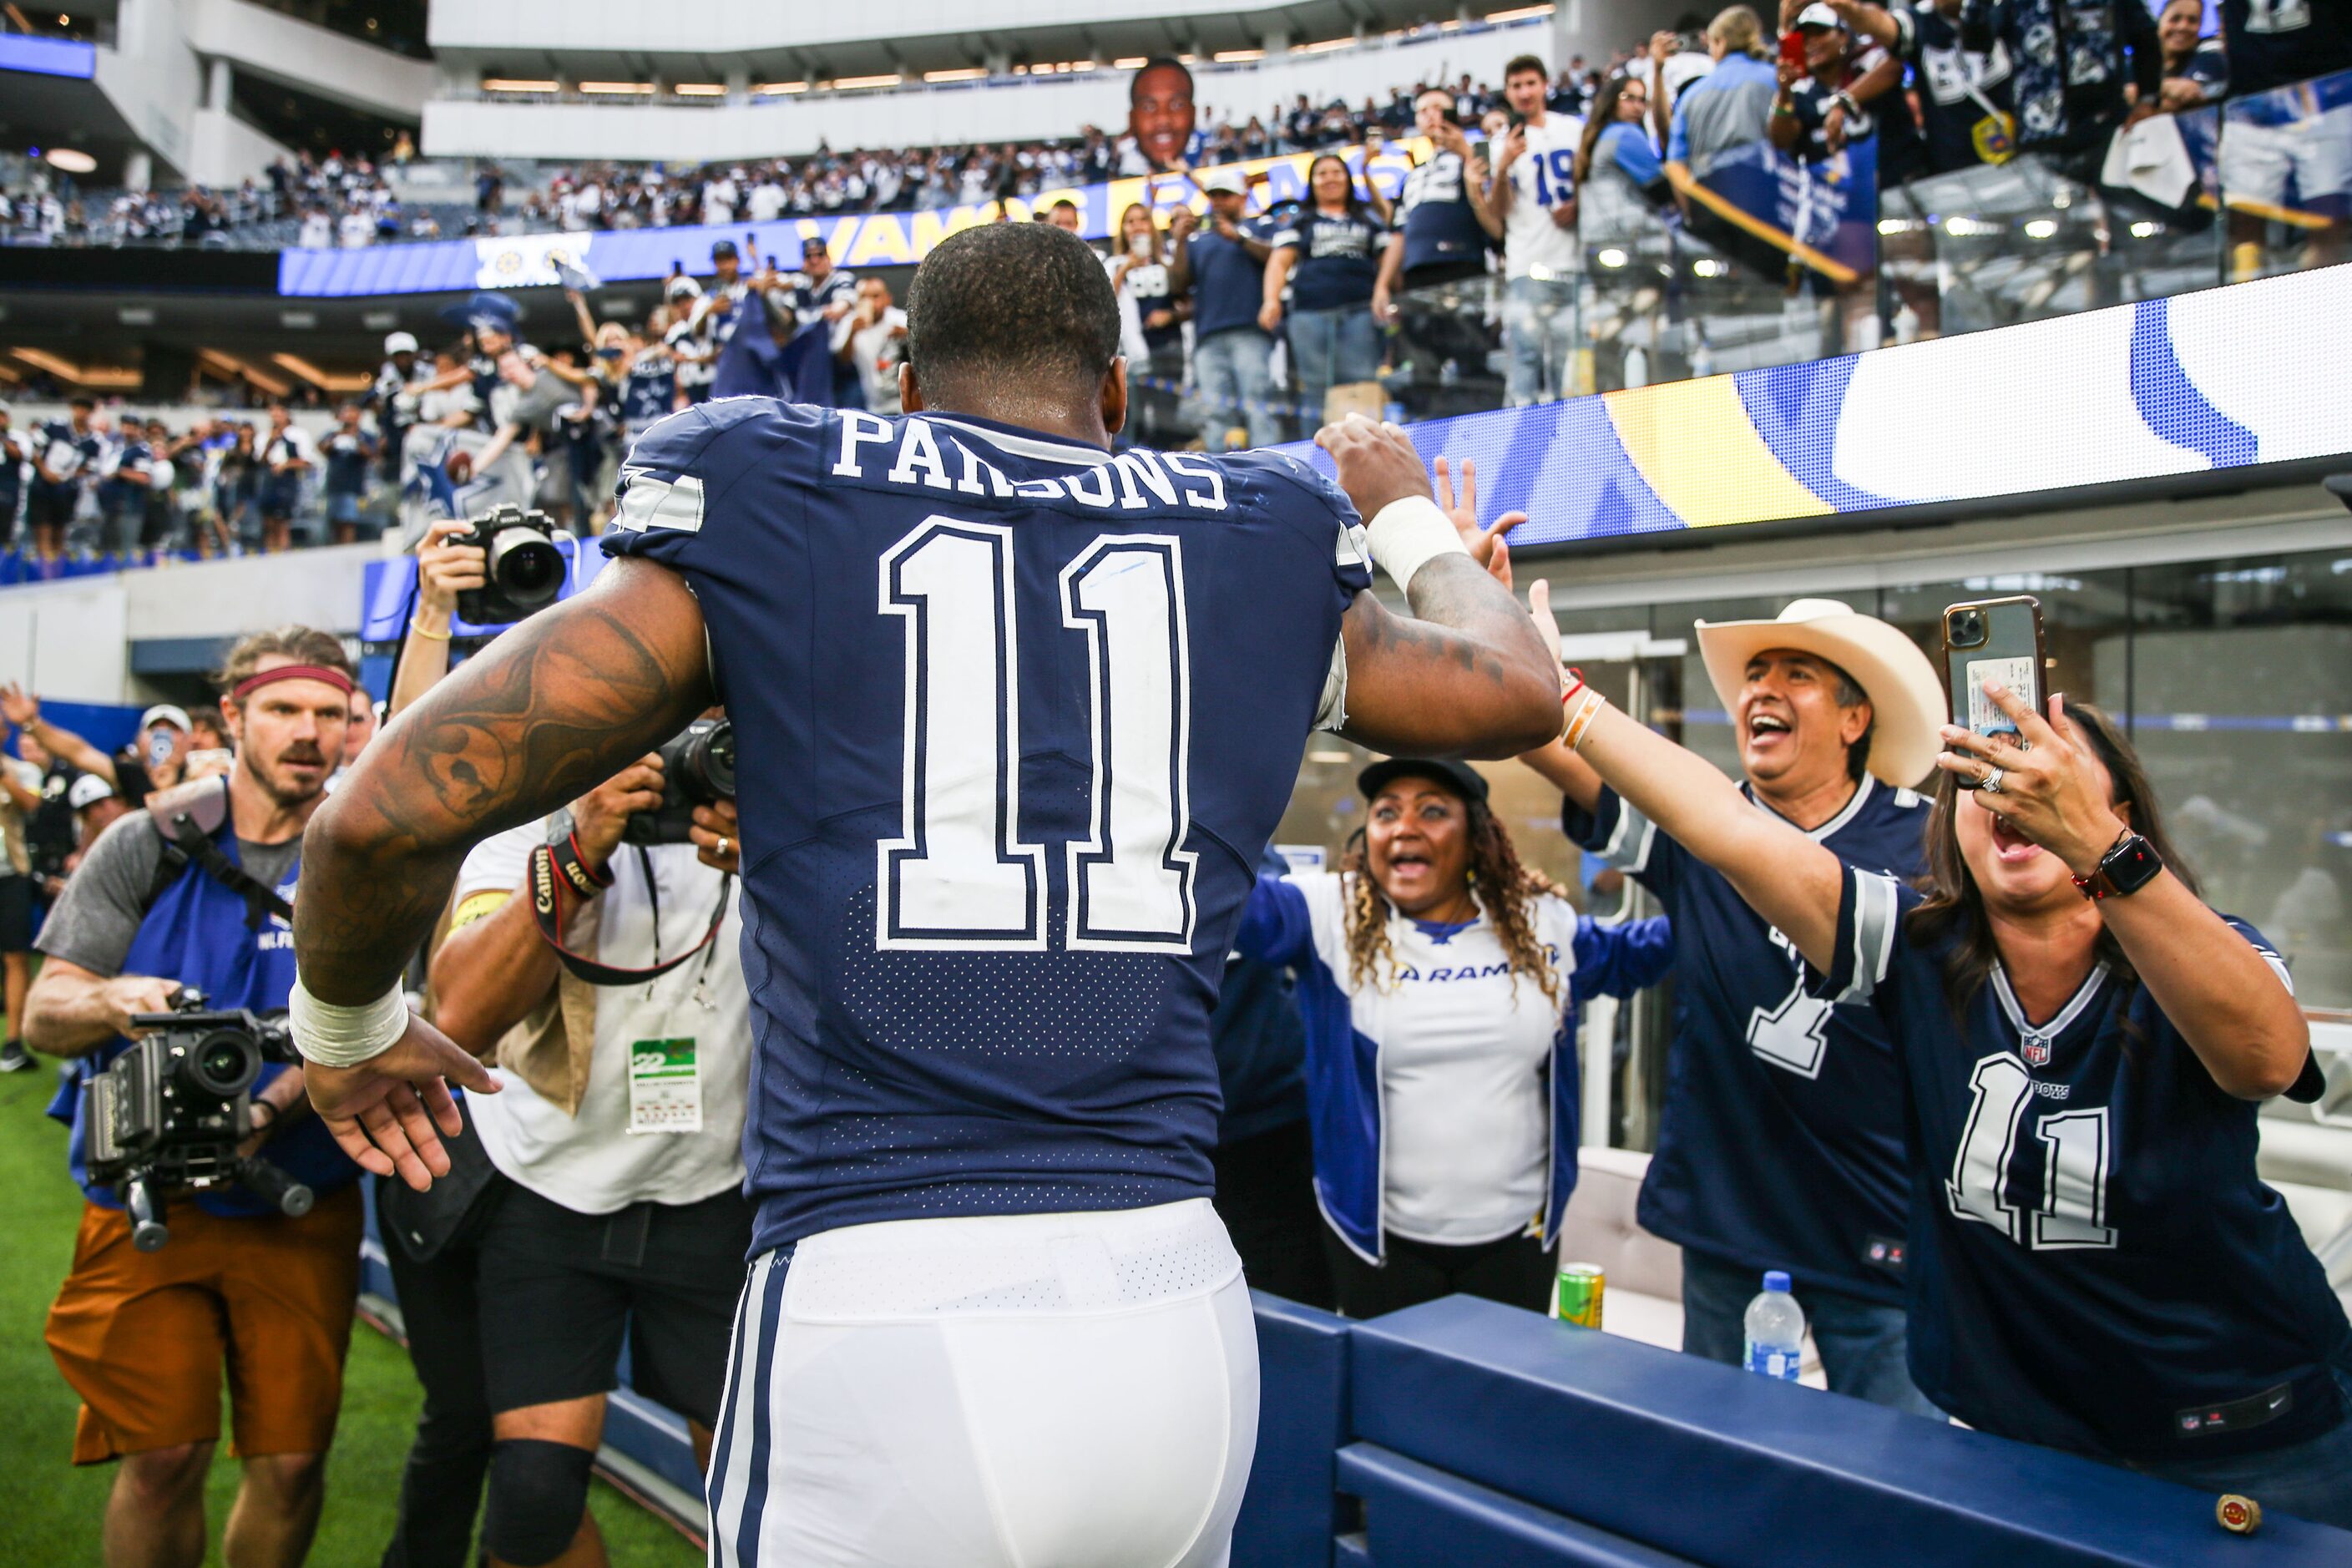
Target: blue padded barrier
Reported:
point(1414, 1514)
point(1286, 1518)
point(1713, 1464)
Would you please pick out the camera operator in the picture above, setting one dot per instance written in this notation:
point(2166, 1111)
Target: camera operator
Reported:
point(617, 1139)
point(142, 1335)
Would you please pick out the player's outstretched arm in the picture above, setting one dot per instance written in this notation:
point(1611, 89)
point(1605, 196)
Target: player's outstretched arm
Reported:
point(1465, 674)
point(551, 710)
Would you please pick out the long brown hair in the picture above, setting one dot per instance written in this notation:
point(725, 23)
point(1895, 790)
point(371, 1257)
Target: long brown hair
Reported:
point(1603, 115)
point(1506, 891)
point(1954, 907)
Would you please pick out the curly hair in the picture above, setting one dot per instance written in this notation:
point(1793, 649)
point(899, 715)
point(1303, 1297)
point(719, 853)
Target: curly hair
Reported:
point(1506, 891)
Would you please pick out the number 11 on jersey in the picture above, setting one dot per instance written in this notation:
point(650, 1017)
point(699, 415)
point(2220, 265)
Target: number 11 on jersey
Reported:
point(959, 875)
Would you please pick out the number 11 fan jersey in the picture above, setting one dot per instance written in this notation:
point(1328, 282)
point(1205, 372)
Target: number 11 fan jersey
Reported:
point(1015, 719)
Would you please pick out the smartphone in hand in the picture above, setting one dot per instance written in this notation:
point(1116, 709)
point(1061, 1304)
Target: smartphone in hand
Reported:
point(1793, 49)
point(1993, 640)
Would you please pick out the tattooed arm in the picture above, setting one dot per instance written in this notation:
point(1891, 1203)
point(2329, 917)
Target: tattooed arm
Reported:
point(1465, 674)
point(550, 711)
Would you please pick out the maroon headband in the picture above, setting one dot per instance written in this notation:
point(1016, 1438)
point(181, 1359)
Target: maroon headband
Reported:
point(252, 683)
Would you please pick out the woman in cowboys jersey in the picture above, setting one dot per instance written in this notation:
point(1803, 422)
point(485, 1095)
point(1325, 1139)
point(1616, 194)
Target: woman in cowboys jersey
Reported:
point(2094, 1264)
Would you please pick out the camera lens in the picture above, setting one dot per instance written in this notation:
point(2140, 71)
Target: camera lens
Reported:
point(526, 566)
point(222, 1064)
point(706, 763)
point(1967, 628)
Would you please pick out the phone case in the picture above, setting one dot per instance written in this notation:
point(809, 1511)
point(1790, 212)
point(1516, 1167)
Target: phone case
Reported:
point(2013, 653)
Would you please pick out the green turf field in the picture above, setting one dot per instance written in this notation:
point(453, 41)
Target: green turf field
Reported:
point(49, 1510)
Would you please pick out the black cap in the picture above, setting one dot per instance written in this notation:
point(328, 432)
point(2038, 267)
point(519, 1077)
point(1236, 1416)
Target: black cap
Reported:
point(814, 242)
point(1460, 777)
point(723, 250)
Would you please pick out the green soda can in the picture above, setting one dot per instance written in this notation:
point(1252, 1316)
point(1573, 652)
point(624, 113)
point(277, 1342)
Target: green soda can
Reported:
point(1577, 1299)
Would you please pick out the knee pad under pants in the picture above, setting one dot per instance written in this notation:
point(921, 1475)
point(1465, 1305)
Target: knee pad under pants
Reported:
point(538, 1490)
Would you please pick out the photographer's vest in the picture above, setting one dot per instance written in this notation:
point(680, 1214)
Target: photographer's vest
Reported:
point(206, 934)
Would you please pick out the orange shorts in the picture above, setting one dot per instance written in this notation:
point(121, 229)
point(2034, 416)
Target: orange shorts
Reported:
point(142, 1336)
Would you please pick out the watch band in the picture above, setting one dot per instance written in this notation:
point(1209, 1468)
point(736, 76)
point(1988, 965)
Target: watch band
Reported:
point(2130, 864)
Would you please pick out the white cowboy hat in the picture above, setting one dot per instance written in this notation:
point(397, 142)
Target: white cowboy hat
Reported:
point(1907, 699)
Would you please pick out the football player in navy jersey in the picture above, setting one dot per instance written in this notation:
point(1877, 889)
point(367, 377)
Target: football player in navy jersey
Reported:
point(1781, 1139)
point(1013, 719)
point(2094, 1264)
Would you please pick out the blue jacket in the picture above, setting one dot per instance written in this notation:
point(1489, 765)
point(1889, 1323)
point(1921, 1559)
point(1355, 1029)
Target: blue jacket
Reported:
point(1299, 921)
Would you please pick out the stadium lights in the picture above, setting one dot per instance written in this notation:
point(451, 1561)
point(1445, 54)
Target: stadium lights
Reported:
point(1131, 63)
point(1707, 266)
point(514, 84)
point(1325, 47)
point(700, 90)
point(1524, 14)
point(618, 88)
point(2042, 228)
point(853, 83)
point(229, 365)
point(321, 379)
point(780, 88)
point(1237, 57)
point(1613, 257)
point(963, 73)
point(72, 160)
point(92, 376)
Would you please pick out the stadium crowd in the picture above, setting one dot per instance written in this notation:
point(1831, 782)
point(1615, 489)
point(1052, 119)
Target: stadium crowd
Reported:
point(600, 1201)
point(1460, 292)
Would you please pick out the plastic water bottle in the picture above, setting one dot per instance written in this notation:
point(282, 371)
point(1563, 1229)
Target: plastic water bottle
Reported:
point(1776, 1329)
point(1637, 367)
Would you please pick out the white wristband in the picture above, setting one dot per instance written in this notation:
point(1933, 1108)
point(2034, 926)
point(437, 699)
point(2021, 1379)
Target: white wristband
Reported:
point(339, 1037)
point(1410, 533)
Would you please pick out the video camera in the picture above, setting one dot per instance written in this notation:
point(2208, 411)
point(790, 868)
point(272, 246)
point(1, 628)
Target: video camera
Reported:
point(172, 1110)
point(522, 571)
point(697, 769)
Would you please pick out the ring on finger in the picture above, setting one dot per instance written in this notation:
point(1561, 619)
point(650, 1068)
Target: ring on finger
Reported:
point(725, 845)
point(1990, 783)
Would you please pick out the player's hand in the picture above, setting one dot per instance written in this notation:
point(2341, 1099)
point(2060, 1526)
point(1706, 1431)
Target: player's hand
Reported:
point(1486, 546)
point(18, 706)
point(1376, 462)
point(127, 996)
point(445, 570)
point(599, 817)
point(1181, 227)
point(717, 833)
point(390, 1112)
point(2050, 790)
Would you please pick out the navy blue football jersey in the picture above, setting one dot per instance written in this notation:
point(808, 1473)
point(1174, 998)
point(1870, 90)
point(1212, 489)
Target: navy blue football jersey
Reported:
point(1780, 1144)
point(649, 389)
point(2273, 42)
point(1013, 721)
point(2094, 1264)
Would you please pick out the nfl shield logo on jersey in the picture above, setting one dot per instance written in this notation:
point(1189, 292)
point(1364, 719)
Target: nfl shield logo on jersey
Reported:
point(2036, 1050)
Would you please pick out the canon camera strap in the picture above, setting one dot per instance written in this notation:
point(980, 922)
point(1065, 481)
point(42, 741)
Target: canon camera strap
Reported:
point(559, 871)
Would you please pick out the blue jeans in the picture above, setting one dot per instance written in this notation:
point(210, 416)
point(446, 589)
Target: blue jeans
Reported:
point(1231, 376)
point(2311, 1479)
point(1540, 329)
point(1865, 1346)
point(1332, 348)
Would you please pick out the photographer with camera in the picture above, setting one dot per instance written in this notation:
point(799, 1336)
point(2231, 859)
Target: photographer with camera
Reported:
point(194, 892)
point(624, 1053)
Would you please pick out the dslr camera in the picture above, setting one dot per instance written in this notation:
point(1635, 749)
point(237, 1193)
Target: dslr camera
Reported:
point(697, 769)
point(522, 570)
point(172, 1110)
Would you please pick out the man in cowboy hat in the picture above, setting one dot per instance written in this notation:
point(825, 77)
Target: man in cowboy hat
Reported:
point(1780, 1145)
